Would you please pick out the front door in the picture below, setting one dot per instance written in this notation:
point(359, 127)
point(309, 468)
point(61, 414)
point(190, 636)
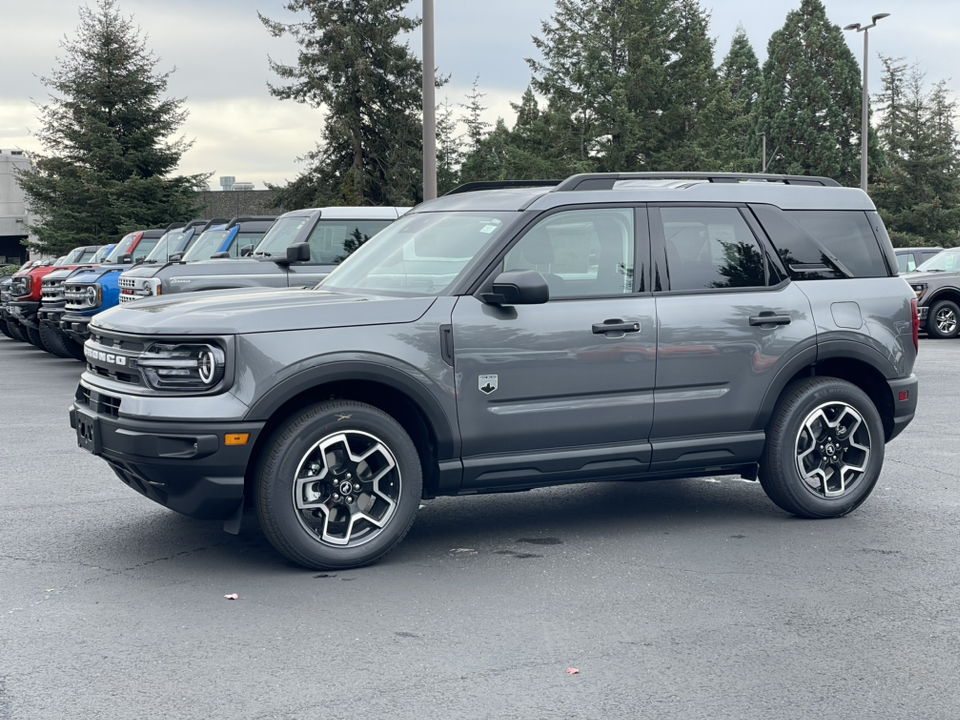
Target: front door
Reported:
point(565, 386)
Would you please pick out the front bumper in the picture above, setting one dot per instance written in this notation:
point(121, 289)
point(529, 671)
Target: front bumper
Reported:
point(922, 311)
point(185, 466)
point(76, 326)
point(24, 312)
point(50, 315)
point(903, 409)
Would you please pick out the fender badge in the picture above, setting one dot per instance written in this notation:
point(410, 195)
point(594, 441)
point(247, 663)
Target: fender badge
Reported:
point(487, 383)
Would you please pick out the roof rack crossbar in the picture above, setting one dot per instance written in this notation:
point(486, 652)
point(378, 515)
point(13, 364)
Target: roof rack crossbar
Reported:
point(501, 185)
point(607, 181)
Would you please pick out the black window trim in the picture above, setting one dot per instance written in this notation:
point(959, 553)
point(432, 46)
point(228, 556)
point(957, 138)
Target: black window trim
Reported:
point(659, 253)
point(641, 235)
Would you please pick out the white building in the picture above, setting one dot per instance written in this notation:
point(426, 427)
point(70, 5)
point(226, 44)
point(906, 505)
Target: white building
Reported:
point(13, 210)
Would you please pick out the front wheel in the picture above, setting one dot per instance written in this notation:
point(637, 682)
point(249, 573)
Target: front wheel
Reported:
point(338, 485)
point(943, 320)
point(824, 449)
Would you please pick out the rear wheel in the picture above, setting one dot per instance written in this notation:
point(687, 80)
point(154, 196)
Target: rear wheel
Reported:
point(824, 449)
point(943, 320)
point(4, 329)
point(52, 341)
point(338, 485)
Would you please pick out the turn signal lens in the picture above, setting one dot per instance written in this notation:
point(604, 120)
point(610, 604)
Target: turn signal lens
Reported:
point(236, 439)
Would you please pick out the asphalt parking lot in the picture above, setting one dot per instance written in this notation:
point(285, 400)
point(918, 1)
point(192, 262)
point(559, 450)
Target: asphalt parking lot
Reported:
point(681, 599)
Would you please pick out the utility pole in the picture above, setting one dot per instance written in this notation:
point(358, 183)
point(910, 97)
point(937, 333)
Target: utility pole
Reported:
point(429, 105)
point(865, 117)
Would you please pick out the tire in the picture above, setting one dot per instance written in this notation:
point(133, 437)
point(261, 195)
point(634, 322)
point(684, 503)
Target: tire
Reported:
point(799, 472)
point(33, 336)
point(5, 330)
point(17, 331)
point(73, 348)
point(943, 320)
point(314, 524)
point(51, 341)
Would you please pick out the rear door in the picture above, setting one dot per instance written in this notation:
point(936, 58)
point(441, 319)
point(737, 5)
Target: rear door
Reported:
point(728, 322)
point(565, 386)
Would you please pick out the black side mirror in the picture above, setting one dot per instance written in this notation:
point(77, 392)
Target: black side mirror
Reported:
point(219, 255)
point(176, 257)
point(518, 287)
point(247, 250)
point(128, 258)
point(298, 252)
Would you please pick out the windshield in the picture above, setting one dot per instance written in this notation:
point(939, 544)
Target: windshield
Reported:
point(70, 258)
point(947, 261)
point(168, 244)
point(281, 235)
point(102, 253)
point(122, 248)
point(205, 245)
point(418, 254)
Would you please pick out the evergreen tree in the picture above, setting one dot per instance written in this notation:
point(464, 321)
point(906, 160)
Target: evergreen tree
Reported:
point(809, 104)
point(477, 127)
point(449, 149)
point(369, 85)
point(108, 159)
point(740, 74)
point(607, 62)
point(918, 191)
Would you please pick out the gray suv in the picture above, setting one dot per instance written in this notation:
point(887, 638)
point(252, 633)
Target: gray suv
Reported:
point(611, 327)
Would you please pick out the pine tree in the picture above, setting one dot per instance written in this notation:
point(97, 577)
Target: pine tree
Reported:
point(918, 191)
point(740, 74)
point(477, 127)
point(606, 62)
point(809, 103)
point(108, 161)
point(449, 149)
point(369, 85)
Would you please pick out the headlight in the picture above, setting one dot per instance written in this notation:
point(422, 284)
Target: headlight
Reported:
point(182, 366)
point(91, 295)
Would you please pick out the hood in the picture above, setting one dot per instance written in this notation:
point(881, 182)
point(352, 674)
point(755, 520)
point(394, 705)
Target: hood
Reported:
point(94, 274)
point(257, 310)
point(143, 270)
point(915, 277)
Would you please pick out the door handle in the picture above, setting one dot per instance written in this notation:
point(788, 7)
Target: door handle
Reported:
point(615, 326)
point(769, 318)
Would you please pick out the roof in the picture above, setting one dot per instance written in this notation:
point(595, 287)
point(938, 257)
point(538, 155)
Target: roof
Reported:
point(352, 213)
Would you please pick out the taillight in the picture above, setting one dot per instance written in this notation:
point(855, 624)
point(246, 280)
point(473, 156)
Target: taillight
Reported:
point(916, 324)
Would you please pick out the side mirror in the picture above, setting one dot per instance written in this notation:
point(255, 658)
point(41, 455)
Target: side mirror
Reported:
point(247, 250)
point(518, 287)
point(176, 257)
point(298, 252)
point(128, 258)
point(219, 255)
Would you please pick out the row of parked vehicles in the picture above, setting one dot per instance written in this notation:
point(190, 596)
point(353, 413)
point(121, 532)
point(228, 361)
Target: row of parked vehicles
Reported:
point(502, 338)
point(50, 304)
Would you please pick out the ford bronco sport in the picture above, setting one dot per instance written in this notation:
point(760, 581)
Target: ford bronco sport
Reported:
point(612, 327)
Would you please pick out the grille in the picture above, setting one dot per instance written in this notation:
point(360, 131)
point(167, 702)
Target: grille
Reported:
point(52, 290)
point(116, 341)
point(129, 283)
point(76, 297)
point(99, 402)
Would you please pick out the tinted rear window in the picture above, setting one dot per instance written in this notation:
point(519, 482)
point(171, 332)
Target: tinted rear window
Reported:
point(848, 236)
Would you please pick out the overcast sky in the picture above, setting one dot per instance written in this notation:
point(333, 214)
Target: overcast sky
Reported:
point(219, 49)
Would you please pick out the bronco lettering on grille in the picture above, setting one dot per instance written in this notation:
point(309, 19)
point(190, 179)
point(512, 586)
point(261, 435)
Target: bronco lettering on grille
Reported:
point(104, 357)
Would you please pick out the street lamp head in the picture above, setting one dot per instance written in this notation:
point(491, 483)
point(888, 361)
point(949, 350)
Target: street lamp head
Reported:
point(879, 16)
point(854, 26)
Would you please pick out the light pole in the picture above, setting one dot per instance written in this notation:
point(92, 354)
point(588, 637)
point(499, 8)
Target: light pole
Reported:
point(429, 105)
point(865, 120)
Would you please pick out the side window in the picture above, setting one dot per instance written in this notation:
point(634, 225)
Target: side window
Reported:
point(144, 247)
point(333, 240)
point(242, 240)
point(906, 263)
point(711, 248)
point(581, 253)
point(848, 236)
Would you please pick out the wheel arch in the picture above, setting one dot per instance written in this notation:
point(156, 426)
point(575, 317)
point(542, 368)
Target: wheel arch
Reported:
point(854, 362)
point(389, 389)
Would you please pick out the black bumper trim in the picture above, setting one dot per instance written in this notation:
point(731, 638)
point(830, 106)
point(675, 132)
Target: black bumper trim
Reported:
point(182, 466)
point(903, 410)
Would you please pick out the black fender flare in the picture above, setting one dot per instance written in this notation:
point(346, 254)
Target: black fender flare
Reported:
point(825, 350)
point(939, 293)
point(411, 382)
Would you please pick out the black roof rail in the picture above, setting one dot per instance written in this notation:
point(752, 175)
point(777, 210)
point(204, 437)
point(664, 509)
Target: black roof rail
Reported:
point(606, 181)
point(171, 226)
point(210, 223)
point(501, 185)
point(250, 218)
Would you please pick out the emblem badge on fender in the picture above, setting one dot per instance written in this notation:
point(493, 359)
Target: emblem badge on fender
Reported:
point(487, 383)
